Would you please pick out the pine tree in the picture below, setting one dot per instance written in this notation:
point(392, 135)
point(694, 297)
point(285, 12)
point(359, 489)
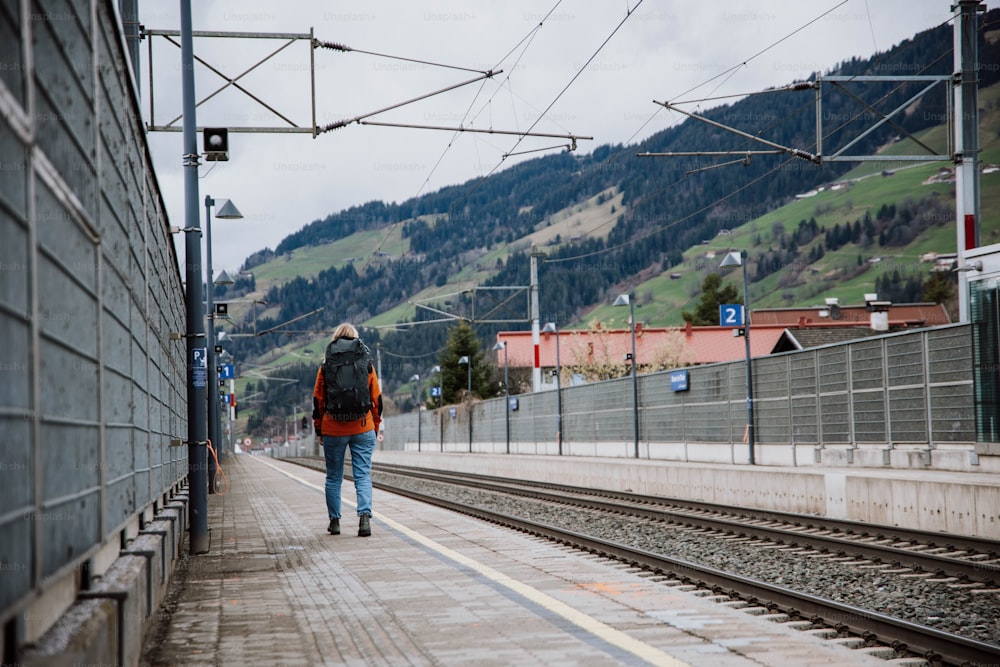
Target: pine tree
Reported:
point(713, 294)
point(463, 342)
point(939, 288)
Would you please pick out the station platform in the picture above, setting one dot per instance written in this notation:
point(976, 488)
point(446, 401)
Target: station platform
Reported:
point(944, 501)
point(431, 587)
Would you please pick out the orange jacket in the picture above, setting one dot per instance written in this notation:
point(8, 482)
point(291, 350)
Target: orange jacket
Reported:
point(325, 424)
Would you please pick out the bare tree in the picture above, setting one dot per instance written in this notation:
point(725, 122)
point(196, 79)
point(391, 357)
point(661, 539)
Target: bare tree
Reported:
point(592, 357)
point(672, 353)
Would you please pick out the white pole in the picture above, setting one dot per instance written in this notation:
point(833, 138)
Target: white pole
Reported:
point(966, 114)
point(536, 370)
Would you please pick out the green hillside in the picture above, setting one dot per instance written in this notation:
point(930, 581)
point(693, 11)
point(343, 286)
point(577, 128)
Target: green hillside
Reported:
point(611, 222)
point(662, 298)
point(308, 261)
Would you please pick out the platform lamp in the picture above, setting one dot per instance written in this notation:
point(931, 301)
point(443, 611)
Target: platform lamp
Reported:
point(502, 345)
point(223, 357)
point(437, 369)
point(734, 259)
point(440, 388)
point(626, 300)
point(416, 396)
point(550, 327)
point(219, 310)
point(228, 211)
point(468, 365)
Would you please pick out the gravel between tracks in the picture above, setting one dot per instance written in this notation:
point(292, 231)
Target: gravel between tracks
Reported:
point(937, 604)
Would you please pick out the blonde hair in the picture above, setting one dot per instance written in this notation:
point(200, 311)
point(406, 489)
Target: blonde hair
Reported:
point(344, 330)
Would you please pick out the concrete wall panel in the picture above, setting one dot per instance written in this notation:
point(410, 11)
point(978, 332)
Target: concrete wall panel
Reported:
point(89, 291)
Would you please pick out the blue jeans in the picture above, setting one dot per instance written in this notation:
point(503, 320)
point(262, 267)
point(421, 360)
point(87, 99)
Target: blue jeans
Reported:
point(335, 448)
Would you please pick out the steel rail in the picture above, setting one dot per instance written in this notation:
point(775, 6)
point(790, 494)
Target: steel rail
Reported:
point(903, 636)
point(851, 527)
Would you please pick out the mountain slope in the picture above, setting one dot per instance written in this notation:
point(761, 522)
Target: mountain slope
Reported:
point(609, 221)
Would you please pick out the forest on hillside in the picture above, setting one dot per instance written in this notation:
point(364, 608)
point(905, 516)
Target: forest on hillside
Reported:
point(665, 209)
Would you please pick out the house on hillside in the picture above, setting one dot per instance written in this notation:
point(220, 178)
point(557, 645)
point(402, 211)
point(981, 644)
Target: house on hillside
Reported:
point(943, 262)
point(943, 175)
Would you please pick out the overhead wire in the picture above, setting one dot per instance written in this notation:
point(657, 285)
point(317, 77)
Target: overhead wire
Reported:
point(347, 49)
point(687, 217)
point(732, 70)
point(871, 25)
point(528, 38)
point(675, 183)
point(628, 14)
point(526, 41)
point(579, 72)
point(727, 196)
point(768, 47)
point(727, 74)
point(436, 352)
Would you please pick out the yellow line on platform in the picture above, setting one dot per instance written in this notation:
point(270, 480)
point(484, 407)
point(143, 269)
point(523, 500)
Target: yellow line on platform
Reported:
point(605, 632)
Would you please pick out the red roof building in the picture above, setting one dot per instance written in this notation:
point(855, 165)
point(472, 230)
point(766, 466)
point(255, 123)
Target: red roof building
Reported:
point(900, 315)
point(773, 330)
point(679, 346)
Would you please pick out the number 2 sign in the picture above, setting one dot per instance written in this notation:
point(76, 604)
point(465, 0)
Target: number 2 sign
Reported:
point(730, 315)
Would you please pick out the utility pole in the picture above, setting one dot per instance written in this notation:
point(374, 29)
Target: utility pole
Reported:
point(197, 361)
point(536, 370)
point(966, 111)
point(964, 94)
point(231, 412)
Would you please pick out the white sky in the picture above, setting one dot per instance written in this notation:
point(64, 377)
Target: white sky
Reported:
point(667, 50)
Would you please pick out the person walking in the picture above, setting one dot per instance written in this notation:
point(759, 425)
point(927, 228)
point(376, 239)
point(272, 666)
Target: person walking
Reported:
point(347, 413)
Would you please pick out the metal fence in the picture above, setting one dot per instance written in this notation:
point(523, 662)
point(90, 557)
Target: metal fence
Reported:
point(91, 390)
point(911, 389)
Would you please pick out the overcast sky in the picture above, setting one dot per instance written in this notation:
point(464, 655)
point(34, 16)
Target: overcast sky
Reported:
point(666, 50)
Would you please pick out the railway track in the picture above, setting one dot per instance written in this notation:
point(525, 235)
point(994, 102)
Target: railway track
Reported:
point(924, 556)
point(967, 560)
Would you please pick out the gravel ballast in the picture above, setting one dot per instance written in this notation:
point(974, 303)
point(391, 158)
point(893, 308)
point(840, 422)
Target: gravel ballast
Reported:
point(938, 604)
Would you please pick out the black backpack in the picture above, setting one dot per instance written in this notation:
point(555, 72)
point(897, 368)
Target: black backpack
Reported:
point(345, 378)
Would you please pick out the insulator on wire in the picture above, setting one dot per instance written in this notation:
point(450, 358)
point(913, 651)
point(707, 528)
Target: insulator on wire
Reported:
point(330, 45)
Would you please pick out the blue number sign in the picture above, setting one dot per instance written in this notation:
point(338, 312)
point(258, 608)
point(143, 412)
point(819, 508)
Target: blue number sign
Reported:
point(730, 315)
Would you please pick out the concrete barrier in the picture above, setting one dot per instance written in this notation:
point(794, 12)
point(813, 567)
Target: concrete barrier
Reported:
point(948, 502)
point(86, 635)
point(107, 623)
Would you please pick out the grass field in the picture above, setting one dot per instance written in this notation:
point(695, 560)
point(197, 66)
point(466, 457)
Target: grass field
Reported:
point(589, 219)
point(308, 261)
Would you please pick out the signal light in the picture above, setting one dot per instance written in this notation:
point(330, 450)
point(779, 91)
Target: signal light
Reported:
point(215, 141)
